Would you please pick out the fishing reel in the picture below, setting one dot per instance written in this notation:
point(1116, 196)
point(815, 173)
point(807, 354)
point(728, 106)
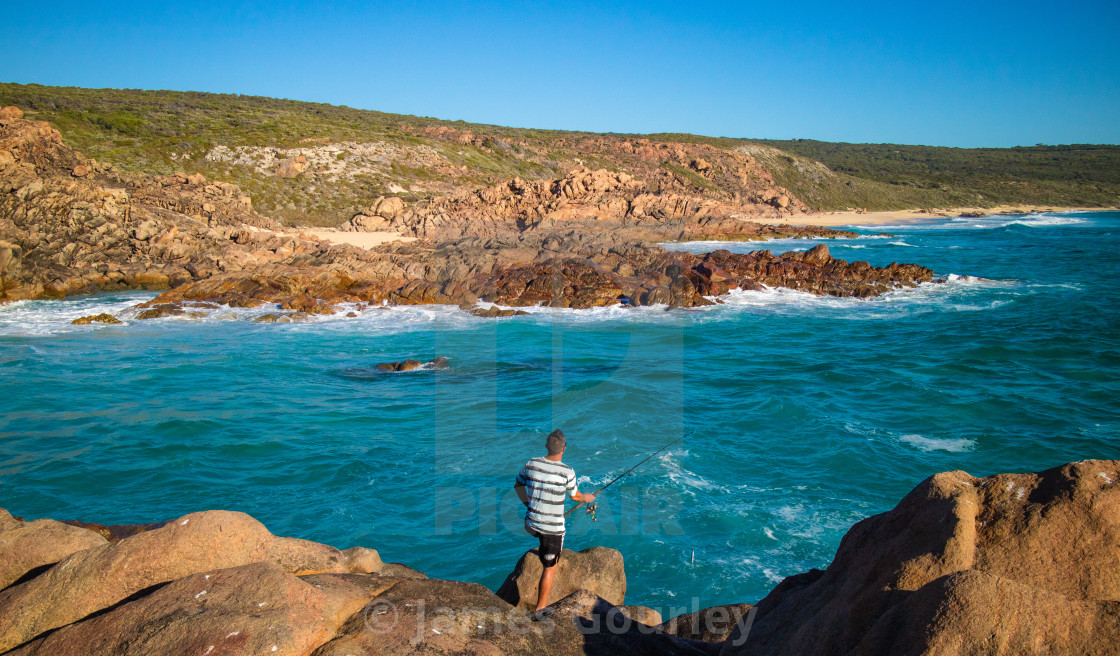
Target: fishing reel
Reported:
point(593, 508)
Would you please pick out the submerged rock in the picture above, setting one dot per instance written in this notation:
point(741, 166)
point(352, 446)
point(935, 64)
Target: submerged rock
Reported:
point(409, 365)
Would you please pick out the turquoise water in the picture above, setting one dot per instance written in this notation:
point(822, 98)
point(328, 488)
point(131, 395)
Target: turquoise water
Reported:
point(799, 415)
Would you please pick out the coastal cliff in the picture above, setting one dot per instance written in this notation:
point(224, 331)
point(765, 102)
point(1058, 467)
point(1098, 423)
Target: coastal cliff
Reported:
point(72, 225)
point(1007, 564)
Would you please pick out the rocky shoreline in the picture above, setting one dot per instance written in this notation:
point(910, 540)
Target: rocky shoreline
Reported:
point(1007, 564)
point(71, 225)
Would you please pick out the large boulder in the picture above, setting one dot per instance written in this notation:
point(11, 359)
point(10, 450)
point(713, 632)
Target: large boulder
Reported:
point(388, 208)
point(968, 611)
point(26, 547)
point(598, 569)
point(1008, 564)
point(96, 578)
point(252, 609)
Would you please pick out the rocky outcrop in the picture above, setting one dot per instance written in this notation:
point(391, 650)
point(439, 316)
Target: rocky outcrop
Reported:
point(583, 198)
point(1009, 564)
point(99, 577)
point(219, 583)
point(71, 225)
point(451, 617)
point(598, 570)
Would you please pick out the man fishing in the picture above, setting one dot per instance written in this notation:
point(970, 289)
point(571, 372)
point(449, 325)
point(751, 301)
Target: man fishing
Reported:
point(541, 486)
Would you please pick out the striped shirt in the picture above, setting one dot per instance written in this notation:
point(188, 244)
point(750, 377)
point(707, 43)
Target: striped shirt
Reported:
point(546, 483)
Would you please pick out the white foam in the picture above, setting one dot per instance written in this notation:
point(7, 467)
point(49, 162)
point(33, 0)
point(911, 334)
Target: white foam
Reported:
point(683, 478)
point(901, 243)
point(33, 318)
point(938, 444)
point(776, 246)
point(772, 576)
point(1043, 220)
point(956, 293)
point(994, 221)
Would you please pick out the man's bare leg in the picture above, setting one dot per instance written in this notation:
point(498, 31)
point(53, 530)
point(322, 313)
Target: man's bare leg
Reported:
point(545, 587)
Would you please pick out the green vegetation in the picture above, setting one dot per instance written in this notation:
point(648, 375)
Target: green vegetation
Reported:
point(892, 176)
point(167, 131)
point(689, 177)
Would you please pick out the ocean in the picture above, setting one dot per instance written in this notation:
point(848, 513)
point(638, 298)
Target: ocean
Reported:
point(796, 415)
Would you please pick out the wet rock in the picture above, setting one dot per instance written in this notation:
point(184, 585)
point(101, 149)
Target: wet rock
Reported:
point(308, 305)
point(273, 317)
point(598, 569)
point(410, 365)
point(495, 311)
point(161, 310)
point(95, 318)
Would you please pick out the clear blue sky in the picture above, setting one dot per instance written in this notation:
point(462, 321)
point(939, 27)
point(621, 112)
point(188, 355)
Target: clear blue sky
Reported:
point(943, 73)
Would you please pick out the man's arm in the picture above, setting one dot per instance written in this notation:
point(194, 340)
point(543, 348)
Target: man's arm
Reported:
point(582, 498)
point(522, 494)
point(574, 491)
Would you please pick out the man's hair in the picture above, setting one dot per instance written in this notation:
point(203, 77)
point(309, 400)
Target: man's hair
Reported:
point(555, 442)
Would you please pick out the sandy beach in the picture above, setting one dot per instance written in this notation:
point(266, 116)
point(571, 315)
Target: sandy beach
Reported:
point(894, 217)
point(361, 239)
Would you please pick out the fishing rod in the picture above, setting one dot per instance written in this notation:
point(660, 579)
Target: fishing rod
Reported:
point(591, 508)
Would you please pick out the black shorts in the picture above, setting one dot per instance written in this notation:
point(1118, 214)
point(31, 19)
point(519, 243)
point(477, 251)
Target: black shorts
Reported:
point(551, 546)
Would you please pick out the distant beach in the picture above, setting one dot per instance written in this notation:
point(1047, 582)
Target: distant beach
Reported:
point(853, 217)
